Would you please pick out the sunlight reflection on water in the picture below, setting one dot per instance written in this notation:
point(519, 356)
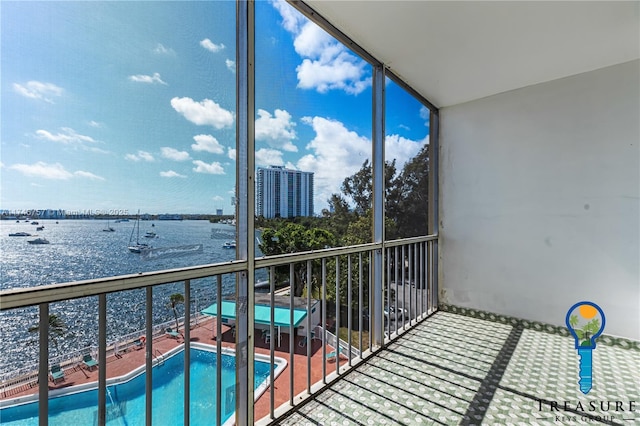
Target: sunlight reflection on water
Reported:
point(80, 250)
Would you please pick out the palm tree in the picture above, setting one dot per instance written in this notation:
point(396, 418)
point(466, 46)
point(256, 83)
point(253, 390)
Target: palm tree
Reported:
point(57, 329)
point(175, 300)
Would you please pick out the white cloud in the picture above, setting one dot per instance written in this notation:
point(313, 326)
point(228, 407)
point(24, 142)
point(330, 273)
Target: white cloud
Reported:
point(160, 49)
point(217, 198)
point(269, 157)
point(211, 46)
point(174, 154)
point(425, 113)
point(276, 130)
point(292, 20)
point(43, 170)
point(231, 65)
point(327, 64)
point(207, 143)
point(55, 171)
point(291, 166)
point(313, 42)
point(336, 153)
point(402, 149)
point(203, 113)
point(94, 123)
point(231, 153)
point(88, 175)
point(214, 168)
point(39, 90)
point(171, 174)
point(140, 156)
point(148, 79)
point(66, 136)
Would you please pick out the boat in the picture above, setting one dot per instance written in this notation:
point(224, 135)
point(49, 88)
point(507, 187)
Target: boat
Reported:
point(108, 228)
point(150, 234)
point(35, 222)
point(20, 234)
point(138, 247)
point(229, 245)
point(39, 241)
point(40, 228)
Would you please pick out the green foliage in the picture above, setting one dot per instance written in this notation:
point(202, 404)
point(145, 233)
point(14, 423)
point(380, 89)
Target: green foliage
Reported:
point(57, 329)
point(587, 331)
point(348, 221)
point(175, 300)
point(407, 200)
point(573, 320)
point(292, 237)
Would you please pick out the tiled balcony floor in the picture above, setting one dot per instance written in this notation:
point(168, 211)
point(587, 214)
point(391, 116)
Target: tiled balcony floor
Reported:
point(458, 370)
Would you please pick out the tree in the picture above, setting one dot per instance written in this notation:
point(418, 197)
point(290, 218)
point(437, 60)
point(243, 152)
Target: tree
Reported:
point(57, 329)
point(175, 300)
point(407, 202)
point(293, 238)
point(359, 187)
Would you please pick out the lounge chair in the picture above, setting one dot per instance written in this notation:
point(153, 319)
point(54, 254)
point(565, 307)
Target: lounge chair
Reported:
point(332, 356)
point(139, 342)
point(56, 373)
point(89, 362)
point(303, 342)
point(171, 333)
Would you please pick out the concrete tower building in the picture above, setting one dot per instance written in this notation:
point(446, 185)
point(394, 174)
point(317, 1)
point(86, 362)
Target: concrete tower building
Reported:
point(283, 192)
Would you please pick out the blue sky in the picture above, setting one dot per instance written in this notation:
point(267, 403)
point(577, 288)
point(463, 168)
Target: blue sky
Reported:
point(131, 105)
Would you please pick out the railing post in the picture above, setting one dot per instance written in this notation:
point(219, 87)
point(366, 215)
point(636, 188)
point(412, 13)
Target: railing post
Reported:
point(43, 375)
point(149, 357)
point(378, 202)
point(102, 359)
point(433, 206)
point(187, 351)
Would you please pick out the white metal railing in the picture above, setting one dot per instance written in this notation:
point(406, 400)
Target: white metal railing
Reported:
point(345, 273)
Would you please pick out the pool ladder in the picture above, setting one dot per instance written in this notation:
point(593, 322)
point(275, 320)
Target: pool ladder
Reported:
point(158, 356)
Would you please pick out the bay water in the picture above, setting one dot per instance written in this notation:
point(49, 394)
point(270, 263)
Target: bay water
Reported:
point(81, 250)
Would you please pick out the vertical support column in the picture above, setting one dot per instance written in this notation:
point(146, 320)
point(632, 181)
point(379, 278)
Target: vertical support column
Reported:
point(148, 386)
point(102, 359)
point(43, 368)
point(219, 350)
point(245, 209)
point(378, 202)
point(434, 187)
point(187, 352)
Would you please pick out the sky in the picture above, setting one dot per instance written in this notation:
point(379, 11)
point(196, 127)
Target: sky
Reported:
point(127, 106)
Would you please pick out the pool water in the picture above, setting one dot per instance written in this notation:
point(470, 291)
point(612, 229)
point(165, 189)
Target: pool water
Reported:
point(126, 401)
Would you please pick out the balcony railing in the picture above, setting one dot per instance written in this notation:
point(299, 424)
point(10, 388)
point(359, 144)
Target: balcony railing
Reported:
point(360, 310)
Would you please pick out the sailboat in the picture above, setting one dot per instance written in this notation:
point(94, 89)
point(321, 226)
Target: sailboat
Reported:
point(108, 228)
point(138, 247)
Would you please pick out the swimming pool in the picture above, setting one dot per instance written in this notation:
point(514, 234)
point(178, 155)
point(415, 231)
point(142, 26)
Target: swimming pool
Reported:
point(126, 399)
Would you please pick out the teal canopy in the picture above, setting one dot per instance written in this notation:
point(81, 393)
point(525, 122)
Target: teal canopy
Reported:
point(281, 315)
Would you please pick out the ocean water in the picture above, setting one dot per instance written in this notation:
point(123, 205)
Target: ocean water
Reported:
point(80, 250)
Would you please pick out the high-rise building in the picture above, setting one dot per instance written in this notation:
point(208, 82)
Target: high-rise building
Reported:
point(283, 192)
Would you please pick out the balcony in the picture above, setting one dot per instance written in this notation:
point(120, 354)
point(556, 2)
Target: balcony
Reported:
point(318, 347)
point(532, 203)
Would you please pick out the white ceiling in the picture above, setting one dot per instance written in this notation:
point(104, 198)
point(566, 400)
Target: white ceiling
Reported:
point(454, 51)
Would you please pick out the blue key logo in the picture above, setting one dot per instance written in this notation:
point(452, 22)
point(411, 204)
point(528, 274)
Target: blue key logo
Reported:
point(585, 321)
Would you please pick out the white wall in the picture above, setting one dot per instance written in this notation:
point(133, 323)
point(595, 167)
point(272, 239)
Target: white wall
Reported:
point(540, 199)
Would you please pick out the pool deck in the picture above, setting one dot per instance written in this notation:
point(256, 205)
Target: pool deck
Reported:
point(203, 332)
